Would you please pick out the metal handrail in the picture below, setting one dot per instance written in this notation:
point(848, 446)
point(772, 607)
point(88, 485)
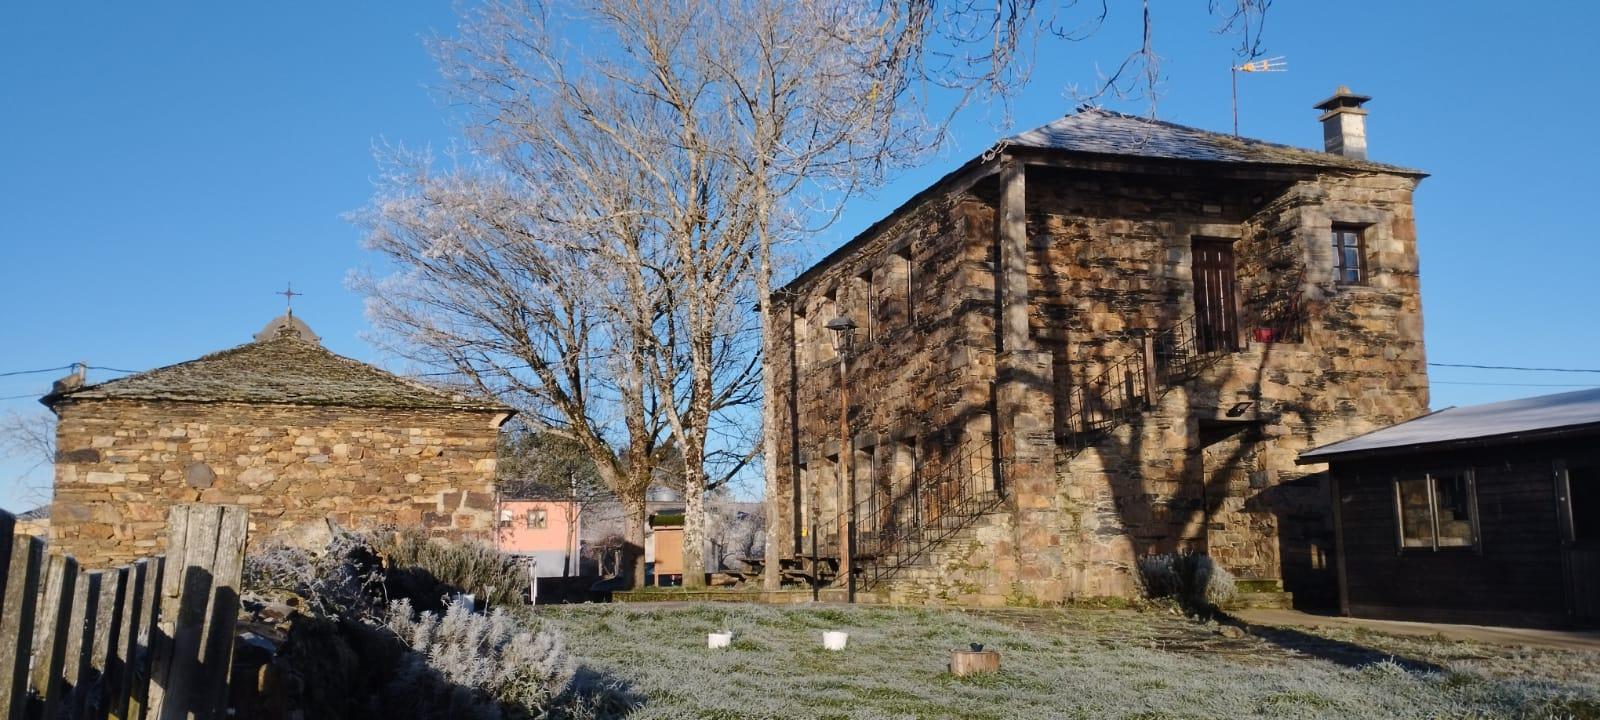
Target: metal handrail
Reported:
point(1129, 385)
point(934, 501)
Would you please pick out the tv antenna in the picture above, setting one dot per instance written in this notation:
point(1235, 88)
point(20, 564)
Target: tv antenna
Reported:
point(1271, 64)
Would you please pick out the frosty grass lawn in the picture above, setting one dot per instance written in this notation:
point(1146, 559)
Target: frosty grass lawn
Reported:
point(1069, 663)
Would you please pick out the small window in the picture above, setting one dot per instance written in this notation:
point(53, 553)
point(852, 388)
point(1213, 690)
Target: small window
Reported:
point(506, 517)
point(821, 341)
point(1436, 511)
point(1583, 502)
point(536, 520)
point(1349, 256)
point(866, 300)
point(901, 260)
point(1416, 515)
point(802, 338)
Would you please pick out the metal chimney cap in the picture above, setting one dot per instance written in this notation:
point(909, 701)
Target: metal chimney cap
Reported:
point(1343, 98)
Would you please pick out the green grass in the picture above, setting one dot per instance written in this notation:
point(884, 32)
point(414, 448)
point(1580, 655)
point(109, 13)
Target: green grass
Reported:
point(1057, 663)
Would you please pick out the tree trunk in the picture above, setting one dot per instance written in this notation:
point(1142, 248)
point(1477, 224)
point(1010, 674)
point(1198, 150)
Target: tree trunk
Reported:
point(771, 579)
point(632, 566)
point(694, 526)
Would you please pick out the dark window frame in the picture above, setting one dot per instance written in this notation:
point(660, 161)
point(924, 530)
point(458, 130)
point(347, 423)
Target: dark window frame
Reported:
point(1432, 488)
point(544, 519)
point(1337, 236)
point(904, 255)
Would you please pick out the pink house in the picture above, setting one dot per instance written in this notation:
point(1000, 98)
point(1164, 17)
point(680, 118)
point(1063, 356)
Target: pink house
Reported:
point(546, 531)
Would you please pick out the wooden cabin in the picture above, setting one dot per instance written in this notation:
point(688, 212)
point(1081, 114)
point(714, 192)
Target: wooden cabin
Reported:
point(1488, 514)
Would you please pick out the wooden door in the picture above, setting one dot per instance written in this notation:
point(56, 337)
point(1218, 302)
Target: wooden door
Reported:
point(1578, 495)
point(1215, 314)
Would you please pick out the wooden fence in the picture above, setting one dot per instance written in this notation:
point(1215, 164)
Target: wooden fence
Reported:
point(151, 639)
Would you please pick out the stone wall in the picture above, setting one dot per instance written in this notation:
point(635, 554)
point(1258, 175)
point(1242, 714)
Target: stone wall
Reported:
point(1108, 256)
point(122, 464)
point(918, 380)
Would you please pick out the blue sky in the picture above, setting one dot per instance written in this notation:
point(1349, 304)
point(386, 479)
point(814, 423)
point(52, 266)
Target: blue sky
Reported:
point(168, 166)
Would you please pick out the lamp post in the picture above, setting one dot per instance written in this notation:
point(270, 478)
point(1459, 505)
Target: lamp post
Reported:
point(843, 335)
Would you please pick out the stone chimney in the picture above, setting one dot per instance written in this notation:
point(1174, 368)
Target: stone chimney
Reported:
point(1344, 123)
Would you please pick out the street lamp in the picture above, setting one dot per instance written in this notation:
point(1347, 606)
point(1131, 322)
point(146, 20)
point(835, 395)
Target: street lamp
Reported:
point(843, 336)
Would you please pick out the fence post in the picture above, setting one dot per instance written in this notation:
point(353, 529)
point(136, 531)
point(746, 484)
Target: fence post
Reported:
point(124, 652)
point(193, 639)
point(143, 654)
point(16, 622)
point(80, 642)
point(54, 621)
point(107, 625)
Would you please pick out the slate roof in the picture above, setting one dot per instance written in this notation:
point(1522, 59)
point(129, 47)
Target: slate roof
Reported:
point(1104, 132)
point(39, 513)
point(285, 366)
point(1493, 423)
point(1097, 131)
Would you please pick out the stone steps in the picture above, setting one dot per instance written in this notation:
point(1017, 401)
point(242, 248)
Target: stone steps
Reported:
point(1279, 600)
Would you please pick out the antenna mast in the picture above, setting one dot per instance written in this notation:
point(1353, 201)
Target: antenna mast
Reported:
point(1271, 64)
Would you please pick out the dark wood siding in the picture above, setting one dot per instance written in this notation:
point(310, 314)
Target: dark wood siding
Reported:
point(1513, 576)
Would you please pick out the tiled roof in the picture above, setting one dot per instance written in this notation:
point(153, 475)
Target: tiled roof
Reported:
point(286, 366)
point(1099, 131)
point(1478, 424)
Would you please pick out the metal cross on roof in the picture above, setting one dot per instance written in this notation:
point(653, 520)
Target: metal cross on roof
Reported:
point(288, 294)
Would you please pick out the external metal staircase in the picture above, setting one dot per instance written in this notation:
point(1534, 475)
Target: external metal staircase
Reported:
point(902, 527)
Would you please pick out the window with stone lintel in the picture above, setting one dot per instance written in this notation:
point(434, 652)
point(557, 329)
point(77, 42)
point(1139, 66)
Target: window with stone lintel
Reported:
point(1349, 255)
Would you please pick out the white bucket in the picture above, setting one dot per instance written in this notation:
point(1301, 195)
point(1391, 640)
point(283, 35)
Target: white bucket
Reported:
point(718, 640)
point(835, 640)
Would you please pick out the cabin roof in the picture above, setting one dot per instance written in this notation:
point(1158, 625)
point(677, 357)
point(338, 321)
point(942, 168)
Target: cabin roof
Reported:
point(1474, 425)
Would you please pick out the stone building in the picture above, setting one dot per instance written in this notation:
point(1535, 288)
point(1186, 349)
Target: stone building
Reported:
point(1104, 338)
point(299, 435)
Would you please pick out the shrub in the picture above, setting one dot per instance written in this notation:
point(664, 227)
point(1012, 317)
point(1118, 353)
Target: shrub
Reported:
point(340, 580)
point(424, 570)
point(469, 665)
point(1193, 579)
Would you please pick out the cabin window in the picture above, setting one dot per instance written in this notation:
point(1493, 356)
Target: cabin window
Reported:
point(1436, 510)
point(1583, 502)
point(1349, 255)
point(506, 517)
point(537, 520)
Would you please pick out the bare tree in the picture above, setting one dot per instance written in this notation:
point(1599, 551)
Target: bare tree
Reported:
point(31, 438)
point(595, 259)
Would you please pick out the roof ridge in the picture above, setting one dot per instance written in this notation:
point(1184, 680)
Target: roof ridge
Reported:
point(1229, 143)
point(154, 383)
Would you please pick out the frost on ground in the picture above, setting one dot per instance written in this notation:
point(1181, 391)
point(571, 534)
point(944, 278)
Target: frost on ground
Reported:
point(1069, 663)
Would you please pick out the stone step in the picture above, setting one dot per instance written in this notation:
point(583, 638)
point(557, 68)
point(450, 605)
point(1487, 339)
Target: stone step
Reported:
point(1261, 601)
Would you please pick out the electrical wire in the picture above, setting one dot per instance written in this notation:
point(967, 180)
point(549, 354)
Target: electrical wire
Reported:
point(1513, 367)
point(33, 372)
point(1500, 384)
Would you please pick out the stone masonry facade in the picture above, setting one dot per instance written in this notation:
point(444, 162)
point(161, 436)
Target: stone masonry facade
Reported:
point(123, 464)
point(987, 304)
point(298, 435)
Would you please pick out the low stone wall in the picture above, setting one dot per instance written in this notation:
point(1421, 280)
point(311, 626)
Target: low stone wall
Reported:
point(121, 464)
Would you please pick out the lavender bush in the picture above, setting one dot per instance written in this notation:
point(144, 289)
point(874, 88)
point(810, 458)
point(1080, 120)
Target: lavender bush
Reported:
point(343, 579)
point(425, 569)
point(469, 665)
point(1193, 579)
